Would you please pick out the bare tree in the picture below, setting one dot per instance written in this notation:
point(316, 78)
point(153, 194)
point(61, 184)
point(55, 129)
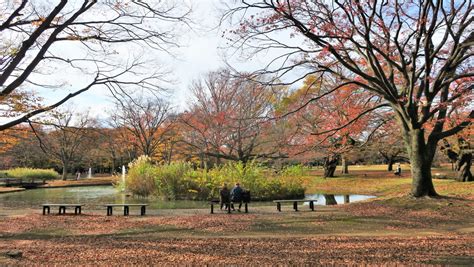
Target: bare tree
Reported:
point(229, 118)
point(66, 140)
point(146, 123)
point(34, 35)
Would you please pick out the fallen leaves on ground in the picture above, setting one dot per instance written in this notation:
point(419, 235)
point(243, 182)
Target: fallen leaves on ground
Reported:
point(98, 224)
point(417, 232)
point(267, 251)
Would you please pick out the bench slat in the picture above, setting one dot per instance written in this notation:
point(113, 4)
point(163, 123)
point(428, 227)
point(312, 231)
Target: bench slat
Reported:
point(295, 200)
point(122, 205)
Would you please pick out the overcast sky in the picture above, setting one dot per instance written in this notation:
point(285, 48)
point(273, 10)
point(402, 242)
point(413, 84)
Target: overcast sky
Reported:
point(198, 54)
point(202, 49)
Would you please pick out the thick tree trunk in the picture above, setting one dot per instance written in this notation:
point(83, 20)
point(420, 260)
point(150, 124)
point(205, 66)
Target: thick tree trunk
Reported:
point(390, 165)
point(329, 171)
point(330, 200)
point(330, 164)
point(463, 168)
point(344, 165)
point(421, 157)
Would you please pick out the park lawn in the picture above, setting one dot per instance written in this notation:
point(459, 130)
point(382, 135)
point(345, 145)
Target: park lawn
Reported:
point(384, 187)
point(391, 229)
point(376, 180)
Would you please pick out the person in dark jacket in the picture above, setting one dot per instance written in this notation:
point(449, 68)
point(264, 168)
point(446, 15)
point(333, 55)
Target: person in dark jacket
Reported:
point(236, 196)
point(224, 196)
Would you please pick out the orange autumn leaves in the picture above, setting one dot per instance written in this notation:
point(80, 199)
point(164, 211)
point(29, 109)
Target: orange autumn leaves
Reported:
point(333, 120)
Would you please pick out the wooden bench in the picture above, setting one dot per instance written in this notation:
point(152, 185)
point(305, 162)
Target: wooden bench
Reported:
point(295, 203)
point(126, 208)
point(212, 202)
point(62, 208)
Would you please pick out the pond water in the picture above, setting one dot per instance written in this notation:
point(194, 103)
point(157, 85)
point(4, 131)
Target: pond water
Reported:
point(328, 199)
point(95, 196)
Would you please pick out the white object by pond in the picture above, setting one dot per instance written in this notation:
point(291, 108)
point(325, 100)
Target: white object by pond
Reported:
point(89, 175)
point(123, 176)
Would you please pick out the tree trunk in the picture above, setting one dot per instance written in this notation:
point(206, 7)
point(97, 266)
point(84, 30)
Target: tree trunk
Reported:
point(112, 170)
point(390, 165)
point(330, 164)
point(170, 154)
point(330, 200)
point(421, 157)
point(64, 174)
point(347, 199)
point(344, 165)
point(463, 168)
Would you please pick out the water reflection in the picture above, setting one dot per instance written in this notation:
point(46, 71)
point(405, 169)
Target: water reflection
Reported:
point(330, 199)
point(92, 196)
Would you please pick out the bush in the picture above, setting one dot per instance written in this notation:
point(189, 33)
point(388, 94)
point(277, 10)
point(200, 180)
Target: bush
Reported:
point(262, 184)
point(171, 180)
point(179, 180)
point(141, 177)
point(31, 174)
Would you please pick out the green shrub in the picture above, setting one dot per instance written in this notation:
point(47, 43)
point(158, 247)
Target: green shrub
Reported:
point(180, 180)
point(31, 174)
point(141, 175)
point(171, 180)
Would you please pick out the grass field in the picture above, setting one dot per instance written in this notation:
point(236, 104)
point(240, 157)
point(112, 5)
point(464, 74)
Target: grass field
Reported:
point(391, 229)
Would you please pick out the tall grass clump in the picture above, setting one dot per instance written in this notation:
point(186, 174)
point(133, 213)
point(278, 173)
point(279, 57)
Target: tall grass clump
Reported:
point(173, 181)
point(32, 174)
point(141, 175)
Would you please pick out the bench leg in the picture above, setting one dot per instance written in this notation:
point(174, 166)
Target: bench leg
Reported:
point(246, 208)
point(295, 206)
point(143, 211)
point(311, 205)
point(63, 209)
point(44, 210)
point(279, 206)
point(109, 211)
point(212, 208)
point(77, 210)
point(125, 211)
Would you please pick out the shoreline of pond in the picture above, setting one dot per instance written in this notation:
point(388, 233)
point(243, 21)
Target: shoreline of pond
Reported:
point(85, 182)
point(96, 196)
point(5, 190)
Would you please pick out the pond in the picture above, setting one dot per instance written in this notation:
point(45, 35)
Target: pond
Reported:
point(328, 199)
point(95, 196)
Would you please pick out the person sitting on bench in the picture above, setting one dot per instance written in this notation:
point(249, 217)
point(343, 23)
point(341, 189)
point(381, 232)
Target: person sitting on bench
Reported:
point(224, 194)
point(236, 196)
